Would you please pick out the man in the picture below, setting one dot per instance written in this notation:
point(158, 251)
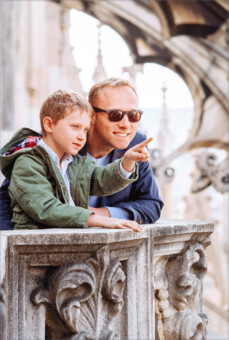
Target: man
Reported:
point(108, 140)
point(112, 133)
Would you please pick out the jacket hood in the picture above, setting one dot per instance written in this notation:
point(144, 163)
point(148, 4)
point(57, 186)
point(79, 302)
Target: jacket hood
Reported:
point(7, 161)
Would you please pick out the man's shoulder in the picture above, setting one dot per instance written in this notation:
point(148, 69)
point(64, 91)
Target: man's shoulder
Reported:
point(139, 137)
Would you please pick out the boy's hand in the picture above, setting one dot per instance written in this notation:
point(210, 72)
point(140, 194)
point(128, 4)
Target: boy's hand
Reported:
point(136, 153)
point(112, 223)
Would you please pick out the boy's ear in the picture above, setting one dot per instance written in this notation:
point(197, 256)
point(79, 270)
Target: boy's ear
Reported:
point(48, 124)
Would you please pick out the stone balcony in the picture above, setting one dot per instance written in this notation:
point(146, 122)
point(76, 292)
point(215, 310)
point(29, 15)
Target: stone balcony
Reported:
point(104, 284)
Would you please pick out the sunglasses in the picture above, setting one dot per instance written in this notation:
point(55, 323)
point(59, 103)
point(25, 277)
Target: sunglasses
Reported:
point(117, 115)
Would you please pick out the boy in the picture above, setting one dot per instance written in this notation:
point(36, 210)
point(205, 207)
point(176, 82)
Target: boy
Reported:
point(50, 183)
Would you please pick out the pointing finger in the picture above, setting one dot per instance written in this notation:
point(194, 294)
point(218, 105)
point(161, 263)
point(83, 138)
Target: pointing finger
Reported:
point(144, 143)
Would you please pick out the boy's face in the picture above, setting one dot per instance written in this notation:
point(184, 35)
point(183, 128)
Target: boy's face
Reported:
point(69, 134)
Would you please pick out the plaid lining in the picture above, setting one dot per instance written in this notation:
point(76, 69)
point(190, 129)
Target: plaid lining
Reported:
point(29, 142)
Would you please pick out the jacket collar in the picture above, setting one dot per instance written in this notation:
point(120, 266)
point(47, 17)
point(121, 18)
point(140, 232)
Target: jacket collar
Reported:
point(115, 154)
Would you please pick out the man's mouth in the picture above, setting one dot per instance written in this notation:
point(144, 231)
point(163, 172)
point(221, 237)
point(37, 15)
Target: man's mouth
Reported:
point(121, 134)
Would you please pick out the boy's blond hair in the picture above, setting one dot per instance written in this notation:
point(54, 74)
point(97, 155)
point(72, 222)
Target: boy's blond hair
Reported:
point(61, 103)
point(109, 82)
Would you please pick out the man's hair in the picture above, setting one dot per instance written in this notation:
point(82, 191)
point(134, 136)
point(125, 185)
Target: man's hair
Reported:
point(61, 103)
point(109, 82)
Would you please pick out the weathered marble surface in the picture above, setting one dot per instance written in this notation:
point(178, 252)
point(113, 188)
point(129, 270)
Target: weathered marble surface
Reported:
point(104, 284)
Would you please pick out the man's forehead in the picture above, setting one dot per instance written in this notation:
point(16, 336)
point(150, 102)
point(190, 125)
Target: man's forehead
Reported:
point(114, 92)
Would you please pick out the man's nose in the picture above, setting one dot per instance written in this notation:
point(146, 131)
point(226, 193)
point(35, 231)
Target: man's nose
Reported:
point(124, 123)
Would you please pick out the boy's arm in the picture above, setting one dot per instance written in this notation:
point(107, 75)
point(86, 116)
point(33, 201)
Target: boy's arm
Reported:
point(110, 179)
point(33, 192)
point(107, 180)
point(140, 201)
point(135, 154)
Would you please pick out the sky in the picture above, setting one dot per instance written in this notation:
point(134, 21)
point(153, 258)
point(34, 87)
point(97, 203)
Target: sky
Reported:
point(116, 55)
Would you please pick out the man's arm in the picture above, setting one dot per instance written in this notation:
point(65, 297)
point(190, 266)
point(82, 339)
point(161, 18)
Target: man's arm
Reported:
point(101, 211)
point(140, 201)
point(108, 179)
point(5, 209)
point(144, 204)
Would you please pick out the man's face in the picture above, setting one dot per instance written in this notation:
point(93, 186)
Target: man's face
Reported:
point(114, 135)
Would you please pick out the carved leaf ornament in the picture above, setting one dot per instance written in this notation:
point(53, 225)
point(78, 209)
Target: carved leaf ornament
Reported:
point(76, 293)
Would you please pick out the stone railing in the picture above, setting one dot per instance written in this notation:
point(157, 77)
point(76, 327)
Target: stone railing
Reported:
point(104, 284)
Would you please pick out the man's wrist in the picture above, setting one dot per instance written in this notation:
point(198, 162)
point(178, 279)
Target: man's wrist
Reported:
point(117, 212)
point(103, 211)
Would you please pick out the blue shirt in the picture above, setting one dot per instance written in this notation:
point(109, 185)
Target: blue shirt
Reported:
point(94, 200)
point(140, 200)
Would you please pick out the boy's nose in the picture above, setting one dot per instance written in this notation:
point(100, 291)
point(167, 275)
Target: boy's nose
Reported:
point(80, 135)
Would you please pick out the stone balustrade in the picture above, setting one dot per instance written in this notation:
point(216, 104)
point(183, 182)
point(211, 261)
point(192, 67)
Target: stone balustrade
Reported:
point(104, 284)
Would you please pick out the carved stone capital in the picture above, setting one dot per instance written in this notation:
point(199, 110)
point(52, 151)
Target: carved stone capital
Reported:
point(178, 294)
point(76, 293)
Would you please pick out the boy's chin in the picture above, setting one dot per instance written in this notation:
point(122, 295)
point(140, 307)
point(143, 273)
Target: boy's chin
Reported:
point(74, 153)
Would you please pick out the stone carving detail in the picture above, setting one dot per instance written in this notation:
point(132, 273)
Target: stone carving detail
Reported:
point(162, 171)
point(76, 295)
point(209, 172)
point(2, 312)
point(178, 294)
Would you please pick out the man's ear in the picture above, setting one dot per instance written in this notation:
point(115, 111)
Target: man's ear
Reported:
point(48, 124)
point(93, 119)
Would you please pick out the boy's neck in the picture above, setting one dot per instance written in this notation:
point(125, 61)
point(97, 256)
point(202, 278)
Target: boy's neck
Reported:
point(48, 141)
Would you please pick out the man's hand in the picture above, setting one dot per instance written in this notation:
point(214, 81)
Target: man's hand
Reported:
point(112, 223)
point(100, 211)
point(136, 153)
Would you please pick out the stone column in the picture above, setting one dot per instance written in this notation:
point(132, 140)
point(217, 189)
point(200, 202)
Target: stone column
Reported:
point(6, 64)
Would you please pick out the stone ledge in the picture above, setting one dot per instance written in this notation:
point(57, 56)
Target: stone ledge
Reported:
point(100, 283)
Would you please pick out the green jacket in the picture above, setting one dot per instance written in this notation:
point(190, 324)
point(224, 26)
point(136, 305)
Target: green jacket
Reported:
point(39, 197)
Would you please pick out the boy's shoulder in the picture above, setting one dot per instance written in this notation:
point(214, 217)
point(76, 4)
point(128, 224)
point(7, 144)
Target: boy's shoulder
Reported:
point(84, 161)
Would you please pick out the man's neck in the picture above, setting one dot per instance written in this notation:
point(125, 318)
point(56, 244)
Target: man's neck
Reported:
point(95, 149)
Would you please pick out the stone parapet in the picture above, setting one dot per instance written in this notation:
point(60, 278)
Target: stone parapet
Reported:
point(104, 284)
